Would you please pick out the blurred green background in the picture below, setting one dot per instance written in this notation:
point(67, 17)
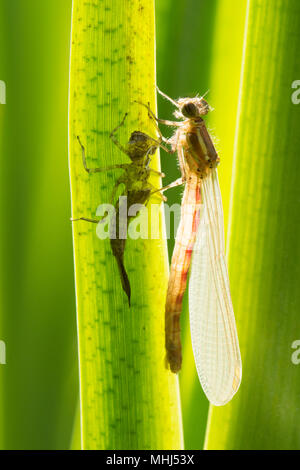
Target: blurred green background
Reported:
point(199, 48)
point(39, 385)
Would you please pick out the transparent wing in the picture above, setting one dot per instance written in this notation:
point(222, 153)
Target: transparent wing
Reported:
point(213, 331)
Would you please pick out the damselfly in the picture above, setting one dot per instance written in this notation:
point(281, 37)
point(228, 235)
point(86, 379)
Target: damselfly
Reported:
point(200, 238)
point(137, 189)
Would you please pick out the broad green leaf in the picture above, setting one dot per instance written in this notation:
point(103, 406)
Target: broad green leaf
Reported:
point(264, 231)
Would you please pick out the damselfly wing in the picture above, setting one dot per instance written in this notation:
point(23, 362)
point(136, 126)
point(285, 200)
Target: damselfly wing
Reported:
point(213, 330)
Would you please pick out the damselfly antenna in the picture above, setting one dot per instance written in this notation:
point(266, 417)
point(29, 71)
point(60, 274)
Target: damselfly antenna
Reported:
point(206, 93)
point(168, 98)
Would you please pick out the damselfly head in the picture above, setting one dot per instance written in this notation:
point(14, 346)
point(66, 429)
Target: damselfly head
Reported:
point(192, 108)
point(140, 145)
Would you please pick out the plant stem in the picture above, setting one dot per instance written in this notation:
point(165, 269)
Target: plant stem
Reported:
point(128, 399)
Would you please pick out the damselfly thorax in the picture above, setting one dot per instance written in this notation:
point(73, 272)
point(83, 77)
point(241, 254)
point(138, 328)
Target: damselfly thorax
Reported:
point(196, 151)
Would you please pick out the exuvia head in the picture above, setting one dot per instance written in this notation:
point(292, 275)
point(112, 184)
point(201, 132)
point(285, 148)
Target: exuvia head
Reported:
point(140, 145)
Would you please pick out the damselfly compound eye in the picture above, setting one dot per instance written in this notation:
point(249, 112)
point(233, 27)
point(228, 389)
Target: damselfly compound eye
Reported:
point(190, 110)
point(204, 107)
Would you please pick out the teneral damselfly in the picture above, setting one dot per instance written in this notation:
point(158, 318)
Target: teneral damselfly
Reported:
point(200, 242)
